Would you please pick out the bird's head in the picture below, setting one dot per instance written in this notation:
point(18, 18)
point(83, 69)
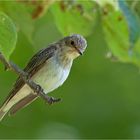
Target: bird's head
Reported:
point(74, 45)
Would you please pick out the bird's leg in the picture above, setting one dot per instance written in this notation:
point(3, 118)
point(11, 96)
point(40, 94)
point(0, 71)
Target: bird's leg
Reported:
point(40, 92)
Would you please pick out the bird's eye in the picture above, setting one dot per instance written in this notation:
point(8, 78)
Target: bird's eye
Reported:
point(72, 43)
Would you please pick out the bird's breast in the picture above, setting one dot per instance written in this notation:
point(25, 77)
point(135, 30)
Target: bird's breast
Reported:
point(51, 75)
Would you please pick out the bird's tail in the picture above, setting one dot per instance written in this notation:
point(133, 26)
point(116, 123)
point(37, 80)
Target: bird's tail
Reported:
point(12, 107)
point(2, 112)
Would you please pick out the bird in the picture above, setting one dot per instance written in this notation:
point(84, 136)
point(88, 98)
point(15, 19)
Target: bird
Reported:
point(48, 68)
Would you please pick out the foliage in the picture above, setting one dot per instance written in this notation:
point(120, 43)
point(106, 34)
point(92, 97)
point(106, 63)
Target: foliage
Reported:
point(69, 14)
point(8, 35)
point(120, 23)
point(122, 32)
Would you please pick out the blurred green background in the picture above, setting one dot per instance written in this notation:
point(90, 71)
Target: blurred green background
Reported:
point(101, 97)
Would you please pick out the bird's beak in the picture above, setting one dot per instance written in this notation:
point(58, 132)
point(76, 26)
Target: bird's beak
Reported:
point(78, 50)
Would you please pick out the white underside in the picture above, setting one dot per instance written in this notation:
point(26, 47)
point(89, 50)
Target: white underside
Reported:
point(49, 77)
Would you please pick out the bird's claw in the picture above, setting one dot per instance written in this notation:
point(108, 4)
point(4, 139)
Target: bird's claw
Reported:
point(52, 100)
point(48, 99)
point(39, 89)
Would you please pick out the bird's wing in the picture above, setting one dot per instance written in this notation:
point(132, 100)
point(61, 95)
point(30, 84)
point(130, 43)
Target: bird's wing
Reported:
point(37, 61)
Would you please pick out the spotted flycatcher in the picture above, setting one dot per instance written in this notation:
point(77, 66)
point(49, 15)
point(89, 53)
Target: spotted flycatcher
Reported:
point(49, 68)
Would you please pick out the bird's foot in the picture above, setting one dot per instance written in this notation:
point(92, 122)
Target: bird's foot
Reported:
point(51, 100)
point(48, 99)
point(39, 89)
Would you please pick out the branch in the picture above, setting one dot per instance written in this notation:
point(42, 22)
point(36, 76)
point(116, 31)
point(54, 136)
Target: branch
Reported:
point(25, 76)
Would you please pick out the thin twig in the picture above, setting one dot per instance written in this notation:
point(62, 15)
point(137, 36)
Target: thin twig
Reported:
point(25, 76)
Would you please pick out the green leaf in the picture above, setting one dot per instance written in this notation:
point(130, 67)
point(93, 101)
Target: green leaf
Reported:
point(116, 34)
point(75, 16)
point(103, 3)
point(133, 22)
point(122, 30)
point(21, 16)
point(8, 35)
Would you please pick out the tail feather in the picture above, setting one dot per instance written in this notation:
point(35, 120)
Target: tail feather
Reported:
point(13, 107)
point(17, 100)
point(2, 113)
